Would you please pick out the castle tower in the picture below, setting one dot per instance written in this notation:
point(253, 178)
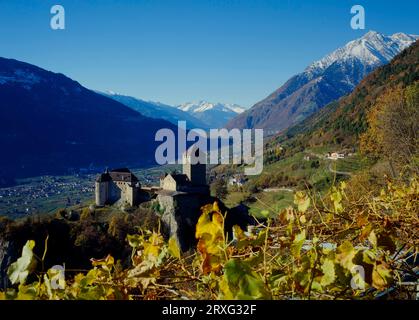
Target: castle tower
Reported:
point(194, 166)
point(102, 188)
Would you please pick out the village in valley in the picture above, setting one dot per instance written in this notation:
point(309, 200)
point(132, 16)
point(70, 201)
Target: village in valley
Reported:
point(47, 194)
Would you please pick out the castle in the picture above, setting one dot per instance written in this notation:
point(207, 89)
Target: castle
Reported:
point(121, 186)
point(179, 197)
point(193, 178)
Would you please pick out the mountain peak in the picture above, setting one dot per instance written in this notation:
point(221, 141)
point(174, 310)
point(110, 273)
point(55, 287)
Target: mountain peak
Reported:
point(203, 106)
point(216, 115)
point(322, 82)
point(372, 49)
point(372, 34)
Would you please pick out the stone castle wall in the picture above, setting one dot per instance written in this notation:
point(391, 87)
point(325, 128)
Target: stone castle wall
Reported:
point(111, 192)
point(168, 184)
point(101, 193)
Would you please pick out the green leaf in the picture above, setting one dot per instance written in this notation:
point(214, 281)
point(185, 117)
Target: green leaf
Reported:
point(336, 197)
point(242, 283)
point(265, 213)
point(19, 270)
point(134, 240)
point(302, 201)
point(372, 238)
point(345, 255)
point(297, 244)
point(329, 275)
point(28, 292)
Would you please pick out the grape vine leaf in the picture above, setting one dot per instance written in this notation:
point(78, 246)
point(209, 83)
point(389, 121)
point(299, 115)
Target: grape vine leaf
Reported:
point(381, 276)
point(297, 244)
point(242, 283)
point(19, 270)
point(302, 201)
point(173, 248)
point(328, 268)
point(211, 240)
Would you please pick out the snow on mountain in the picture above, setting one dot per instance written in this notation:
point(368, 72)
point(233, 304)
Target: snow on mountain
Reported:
point(216, 115)
point(203, 106)
point(322, 82)
point(202, 114)
point(372, 49)
point(156, 110)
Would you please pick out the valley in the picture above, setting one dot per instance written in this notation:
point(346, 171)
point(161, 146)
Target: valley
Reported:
point(47, 194)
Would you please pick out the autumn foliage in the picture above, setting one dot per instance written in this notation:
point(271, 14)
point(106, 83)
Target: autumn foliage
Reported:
point(332, 247)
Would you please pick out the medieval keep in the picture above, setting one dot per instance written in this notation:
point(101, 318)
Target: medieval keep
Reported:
point(121, 186)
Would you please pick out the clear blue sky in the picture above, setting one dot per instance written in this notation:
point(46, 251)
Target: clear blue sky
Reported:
point(174, 51)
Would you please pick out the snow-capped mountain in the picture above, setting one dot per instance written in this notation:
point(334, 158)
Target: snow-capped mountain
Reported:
point(215, 115)
point(373, 49)
point(157, 110)
point(322, 82)
point(203, 106)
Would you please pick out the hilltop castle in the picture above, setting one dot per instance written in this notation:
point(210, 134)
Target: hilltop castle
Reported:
point(179, 197)
point(193, 178)
point(123, 187)
point(119, 185)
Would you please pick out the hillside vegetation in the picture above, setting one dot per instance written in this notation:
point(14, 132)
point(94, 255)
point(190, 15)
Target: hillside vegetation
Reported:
point(337, 248)
point(342, 122)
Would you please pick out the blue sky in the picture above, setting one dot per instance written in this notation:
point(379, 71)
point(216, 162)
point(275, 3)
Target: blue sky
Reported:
point(174, 51)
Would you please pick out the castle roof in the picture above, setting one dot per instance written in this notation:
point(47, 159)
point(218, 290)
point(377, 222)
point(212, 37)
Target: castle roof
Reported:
point(120, 175)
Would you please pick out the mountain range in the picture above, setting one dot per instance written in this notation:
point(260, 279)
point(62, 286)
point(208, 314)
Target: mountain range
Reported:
point(322, 82)
point(50, 123)
point(214, 115)
point(342, 122)
point(203, 115)
point(157, 110)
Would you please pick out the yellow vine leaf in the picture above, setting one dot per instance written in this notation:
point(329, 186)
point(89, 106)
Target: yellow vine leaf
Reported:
point(173, 248)
point(19, 270)
point(302, 200)
point(297, 244)
point(211, 239)
point(106, 263)
point(345, 255)
point(329, 275)
point(336, 197)
point(381, 276)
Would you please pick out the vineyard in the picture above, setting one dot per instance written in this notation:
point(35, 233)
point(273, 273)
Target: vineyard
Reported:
point(349, 244)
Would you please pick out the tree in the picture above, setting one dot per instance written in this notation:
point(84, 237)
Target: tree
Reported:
point(394, 127)
point(219, 189)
